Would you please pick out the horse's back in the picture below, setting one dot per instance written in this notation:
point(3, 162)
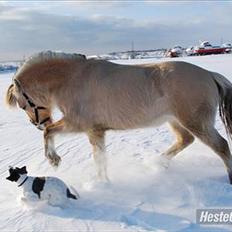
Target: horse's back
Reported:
point(131, 96)
point(191, 90)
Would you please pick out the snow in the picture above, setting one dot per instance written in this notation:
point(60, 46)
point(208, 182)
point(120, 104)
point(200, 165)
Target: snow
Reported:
point(142, 194)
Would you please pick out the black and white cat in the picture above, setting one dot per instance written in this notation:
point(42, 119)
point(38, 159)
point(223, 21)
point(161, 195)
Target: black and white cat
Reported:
point(52, 189)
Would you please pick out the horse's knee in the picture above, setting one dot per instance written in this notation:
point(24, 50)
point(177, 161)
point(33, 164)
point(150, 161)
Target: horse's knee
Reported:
point(219, 145)
point(54, 128)
point(46, 132)
point(224, 147)
point(187, 139)
point(96, 137)
point(184, 137)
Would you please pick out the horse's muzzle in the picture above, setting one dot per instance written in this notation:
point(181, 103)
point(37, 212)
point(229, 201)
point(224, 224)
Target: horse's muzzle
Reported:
point(40, 127)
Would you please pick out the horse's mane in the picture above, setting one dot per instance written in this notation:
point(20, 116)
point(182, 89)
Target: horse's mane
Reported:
point(49, 55)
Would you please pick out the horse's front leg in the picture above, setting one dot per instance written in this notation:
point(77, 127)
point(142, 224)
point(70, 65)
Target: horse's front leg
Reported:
point(49, 134)
point(97, 139)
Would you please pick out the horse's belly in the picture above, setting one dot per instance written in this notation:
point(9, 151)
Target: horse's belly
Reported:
point(159, 113)
point(142, 123)
point(161, 120)
point(143, 116)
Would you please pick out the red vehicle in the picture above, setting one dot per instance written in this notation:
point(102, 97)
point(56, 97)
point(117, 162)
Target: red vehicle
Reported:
point(207, 49)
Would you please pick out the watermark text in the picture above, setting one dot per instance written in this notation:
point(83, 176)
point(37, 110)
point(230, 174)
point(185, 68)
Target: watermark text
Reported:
point(214, 216)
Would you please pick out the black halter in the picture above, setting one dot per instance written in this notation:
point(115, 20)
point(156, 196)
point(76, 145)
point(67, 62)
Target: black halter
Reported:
point(36, 109)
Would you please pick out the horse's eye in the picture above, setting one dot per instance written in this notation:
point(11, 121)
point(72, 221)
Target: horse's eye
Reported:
point(24, 108)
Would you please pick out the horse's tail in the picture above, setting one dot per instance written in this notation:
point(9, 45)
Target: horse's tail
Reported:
point(225, 101)
point(10, 97)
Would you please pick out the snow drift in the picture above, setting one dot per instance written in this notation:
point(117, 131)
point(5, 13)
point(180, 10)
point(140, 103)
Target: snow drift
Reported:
point(142, 195)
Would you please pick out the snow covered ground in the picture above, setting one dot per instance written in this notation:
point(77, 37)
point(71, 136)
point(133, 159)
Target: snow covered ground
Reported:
point(142, 195)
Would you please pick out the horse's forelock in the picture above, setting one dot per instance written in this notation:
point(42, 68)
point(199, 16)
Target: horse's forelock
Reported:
point(10, 97)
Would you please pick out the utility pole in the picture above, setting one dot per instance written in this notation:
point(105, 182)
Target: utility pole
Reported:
point(132, 50)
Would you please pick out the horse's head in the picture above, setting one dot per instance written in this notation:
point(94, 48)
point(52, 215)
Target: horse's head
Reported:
point(40, 116)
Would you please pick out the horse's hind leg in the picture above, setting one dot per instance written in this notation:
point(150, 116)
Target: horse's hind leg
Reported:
point(210, 136)
point(184, 138)
point(97, 140)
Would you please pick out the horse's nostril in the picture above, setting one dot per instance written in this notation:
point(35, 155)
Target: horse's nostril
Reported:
point(34, 123)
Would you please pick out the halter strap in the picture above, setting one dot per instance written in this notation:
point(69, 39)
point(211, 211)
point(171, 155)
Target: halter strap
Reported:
point(36, 111)
point(35, 107)
point(45, 120)
point(23, 182)
point(31, 104)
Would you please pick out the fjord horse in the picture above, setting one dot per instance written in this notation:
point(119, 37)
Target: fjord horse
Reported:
point(95, 96)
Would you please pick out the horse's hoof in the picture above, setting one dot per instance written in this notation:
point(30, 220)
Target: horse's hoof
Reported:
point(56, 162)
point(96, 183)
point(23, 199)
point(103, 180)
point(54, 159)
point(163, 161)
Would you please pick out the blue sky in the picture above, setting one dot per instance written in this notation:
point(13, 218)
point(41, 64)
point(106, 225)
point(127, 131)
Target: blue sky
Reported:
point(97, 27)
